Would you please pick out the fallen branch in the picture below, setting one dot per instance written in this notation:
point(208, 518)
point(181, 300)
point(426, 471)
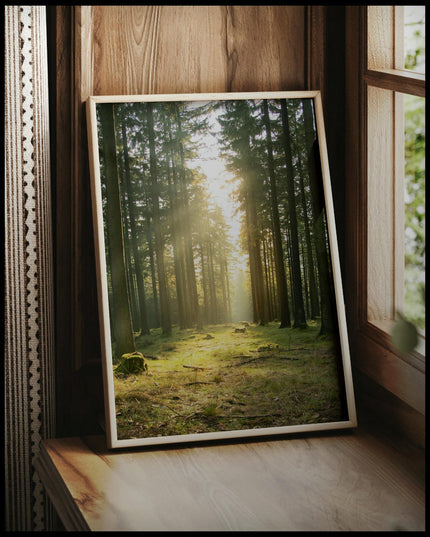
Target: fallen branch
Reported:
point(253, 416)
point(279, 357)
point(156, 401)
point(198, 382)
point(260, 358)
point(231, 416)
point(196, 368)
point(246, 361)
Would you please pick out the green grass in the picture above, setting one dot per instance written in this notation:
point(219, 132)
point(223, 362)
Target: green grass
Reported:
point(220, 379)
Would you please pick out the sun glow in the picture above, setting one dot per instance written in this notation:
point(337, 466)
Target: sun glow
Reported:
point(220, 184)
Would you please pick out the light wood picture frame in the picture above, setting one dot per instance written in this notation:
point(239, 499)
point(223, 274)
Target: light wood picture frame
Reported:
point(220, 294)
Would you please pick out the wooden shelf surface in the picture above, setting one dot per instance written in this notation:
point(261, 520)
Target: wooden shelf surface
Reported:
point(344, 481)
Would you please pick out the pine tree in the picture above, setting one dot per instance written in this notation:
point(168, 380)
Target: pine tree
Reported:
point(316, 187)
point(121, 306)
point(298, 304)
point(284, 310)
point(166, 324)
point(131, 203)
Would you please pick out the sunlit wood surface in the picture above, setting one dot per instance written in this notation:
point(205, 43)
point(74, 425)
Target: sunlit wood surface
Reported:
point(344, 481)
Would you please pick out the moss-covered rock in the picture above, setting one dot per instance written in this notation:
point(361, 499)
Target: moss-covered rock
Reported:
point(132, 363)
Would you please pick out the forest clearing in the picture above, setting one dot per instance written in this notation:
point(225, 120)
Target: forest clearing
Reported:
point(229, 377)
point(213, 213)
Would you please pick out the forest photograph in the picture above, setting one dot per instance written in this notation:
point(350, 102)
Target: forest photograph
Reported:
point(219, 275)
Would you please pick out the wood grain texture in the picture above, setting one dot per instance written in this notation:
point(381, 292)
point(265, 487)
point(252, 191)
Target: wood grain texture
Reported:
point(316, 49)
point(355, 174)
point(380, 43)
point(84, 274)
point(331, 483)
point(380, 205)
point(193, 49)
point(390, 79)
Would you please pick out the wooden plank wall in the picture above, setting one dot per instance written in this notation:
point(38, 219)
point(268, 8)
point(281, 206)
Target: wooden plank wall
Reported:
point(188, 49)
point(102, 50)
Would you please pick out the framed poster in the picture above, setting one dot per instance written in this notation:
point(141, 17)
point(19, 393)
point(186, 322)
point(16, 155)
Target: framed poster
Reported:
point(220, 293)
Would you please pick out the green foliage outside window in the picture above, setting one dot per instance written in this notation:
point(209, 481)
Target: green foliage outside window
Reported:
point(414, 42)
point(414, 307)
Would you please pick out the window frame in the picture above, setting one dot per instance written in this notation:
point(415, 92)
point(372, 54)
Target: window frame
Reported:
point(385, 71)
point(372, 351)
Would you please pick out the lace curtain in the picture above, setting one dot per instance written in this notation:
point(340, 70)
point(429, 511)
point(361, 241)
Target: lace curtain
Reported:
point(29, 320)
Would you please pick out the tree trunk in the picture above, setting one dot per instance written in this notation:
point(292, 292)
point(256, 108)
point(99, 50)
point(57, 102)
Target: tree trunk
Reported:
point(272, 277)
point(223, 279)
point(227, 280)
point(252, 272)
point(313, 290)
point(298, 307)
point(189, 256)
point(270, 312)
point(134, 306)
point(166, 325)
point(179, 280)
point(311, 269)
point(204, 283)
point(281, 281)
point(121, 307)
point(134, 244)
point(316, 187)
point(212, 287)
point(176, 229)
point(255, 253)
point(149, 240)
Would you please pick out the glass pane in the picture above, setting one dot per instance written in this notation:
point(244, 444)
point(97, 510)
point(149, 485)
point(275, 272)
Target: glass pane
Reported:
point(414, 38)
point(414, 305)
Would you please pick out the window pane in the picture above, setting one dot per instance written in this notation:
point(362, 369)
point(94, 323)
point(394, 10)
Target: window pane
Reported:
point(414, 38)
point(414, 304)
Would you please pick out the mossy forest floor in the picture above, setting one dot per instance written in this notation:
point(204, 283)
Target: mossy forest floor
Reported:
point(229, 377)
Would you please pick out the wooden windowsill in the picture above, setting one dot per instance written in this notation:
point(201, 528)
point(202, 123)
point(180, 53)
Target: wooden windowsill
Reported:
point(415, 358)
point(402, 376)
point(337, 481)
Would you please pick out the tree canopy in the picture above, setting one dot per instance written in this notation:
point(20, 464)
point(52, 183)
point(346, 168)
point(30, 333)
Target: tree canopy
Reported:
point(184, 174)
